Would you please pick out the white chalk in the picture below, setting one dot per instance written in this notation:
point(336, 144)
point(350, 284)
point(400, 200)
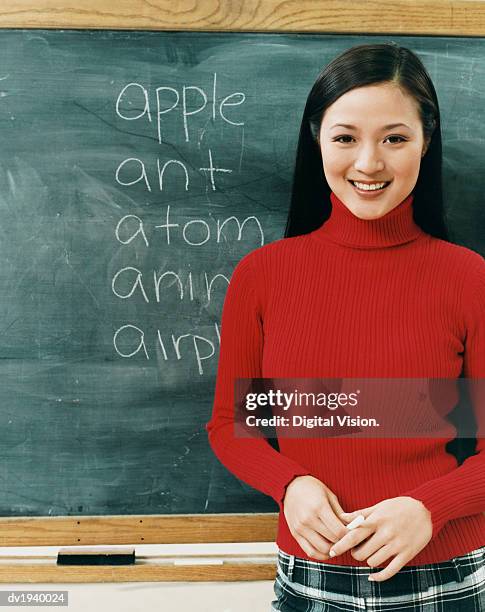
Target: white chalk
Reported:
point(356, 522)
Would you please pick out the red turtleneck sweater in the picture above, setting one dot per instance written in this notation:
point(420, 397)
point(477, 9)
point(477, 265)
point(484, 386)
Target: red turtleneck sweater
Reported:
point(359, 298)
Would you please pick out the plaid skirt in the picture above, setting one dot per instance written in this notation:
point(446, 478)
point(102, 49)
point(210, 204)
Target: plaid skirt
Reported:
point(457, 585)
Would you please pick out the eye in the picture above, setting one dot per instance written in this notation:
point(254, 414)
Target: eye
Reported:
point(400, 138)
point(339, 139)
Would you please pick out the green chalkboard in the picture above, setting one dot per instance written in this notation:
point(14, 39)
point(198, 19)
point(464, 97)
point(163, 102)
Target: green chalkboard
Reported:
point(137, 168)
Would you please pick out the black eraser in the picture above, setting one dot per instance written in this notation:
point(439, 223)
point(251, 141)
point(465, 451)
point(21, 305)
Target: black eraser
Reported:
point(96, 556)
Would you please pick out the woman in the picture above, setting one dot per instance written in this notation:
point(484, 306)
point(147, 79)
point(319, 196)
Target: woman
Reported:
point(364, 284)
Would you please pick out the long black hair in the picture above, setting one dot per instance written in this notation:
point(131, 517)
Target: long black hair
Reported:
point(357, 67)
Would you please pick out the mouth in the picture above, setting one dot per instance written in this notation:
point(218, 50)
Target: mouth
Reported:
point(369, 188)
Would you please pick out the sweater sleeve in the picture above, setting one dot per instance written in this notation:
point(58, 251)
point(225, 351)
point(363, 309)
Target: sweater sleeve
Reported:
point(252, 460)
point(461, 492)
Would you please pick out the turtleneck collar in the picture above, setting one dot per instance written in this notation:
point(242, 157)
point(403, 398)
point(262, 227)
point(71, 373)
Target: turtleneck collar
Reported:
point(395, 227)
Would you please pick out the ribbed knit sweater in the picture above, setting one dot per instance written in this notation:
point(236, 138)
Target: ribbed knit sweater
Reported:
point(359, 298)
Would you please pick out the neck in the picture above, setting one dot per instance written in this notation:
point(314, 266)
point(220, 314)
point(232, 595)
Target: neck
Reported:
point(394, 228)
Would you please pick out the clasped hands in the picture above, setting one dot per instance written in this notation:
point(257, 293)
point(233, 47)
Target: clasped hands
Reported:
point(396, 528)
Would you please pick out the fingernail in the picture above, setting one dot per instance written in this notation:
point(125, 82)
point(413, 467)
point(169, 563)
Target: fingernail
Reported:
point(371, 578)
point(332, 553)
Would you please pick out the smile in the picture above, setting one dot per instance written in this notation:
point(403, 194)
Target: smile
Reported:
point(370, 186)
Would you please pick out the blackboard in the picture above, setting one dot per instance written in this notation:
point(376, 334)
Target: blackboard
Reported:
point(124, 207)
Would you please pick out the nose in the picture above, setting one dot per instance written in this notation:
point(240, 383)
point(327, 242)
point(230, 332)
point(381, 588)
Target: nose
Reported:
point(368, 160)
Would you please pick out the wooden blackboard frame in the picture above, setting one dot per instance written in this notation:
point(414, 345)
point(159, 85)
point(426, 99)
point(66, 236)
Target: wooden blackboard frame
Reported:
point(133, 530)
point(425, 17)
point(403, 17)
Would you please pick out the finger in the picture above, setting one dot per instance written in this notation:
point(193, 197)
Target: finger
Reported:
point(316, 541)
point(369, 547)
point(334, 528)
point(353, 538)
point(359, 520)
point(345, 531)
point(380, 556)
point(337, 508)
point(350, 516)
point(394, 566)
point(321, 527)
point(311, 551)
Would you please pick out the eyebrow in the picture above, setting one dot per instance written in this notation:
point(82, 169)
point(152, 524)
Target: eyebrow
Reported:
point(386, 127)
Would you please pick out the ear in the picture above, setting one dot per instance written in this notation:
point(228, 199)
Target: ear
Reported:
point(425, 147)
point(318, 134)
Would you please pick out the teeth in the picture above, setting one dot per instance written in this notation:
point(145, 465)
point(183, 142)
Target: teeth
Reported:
point(366, 187)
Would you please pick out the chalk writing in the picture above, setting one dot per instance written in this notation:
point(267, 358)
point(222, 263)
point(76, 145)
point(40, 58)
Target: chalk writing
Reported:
point(154, 109)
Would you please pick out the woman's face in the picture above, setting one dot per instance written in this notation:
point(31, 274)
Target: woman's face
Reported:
point(370, 149)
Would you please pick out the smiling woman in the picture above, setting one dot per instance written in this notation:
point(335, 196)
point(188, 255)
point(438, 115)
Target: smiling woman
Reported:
point(365, 284)
point(377, 167)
